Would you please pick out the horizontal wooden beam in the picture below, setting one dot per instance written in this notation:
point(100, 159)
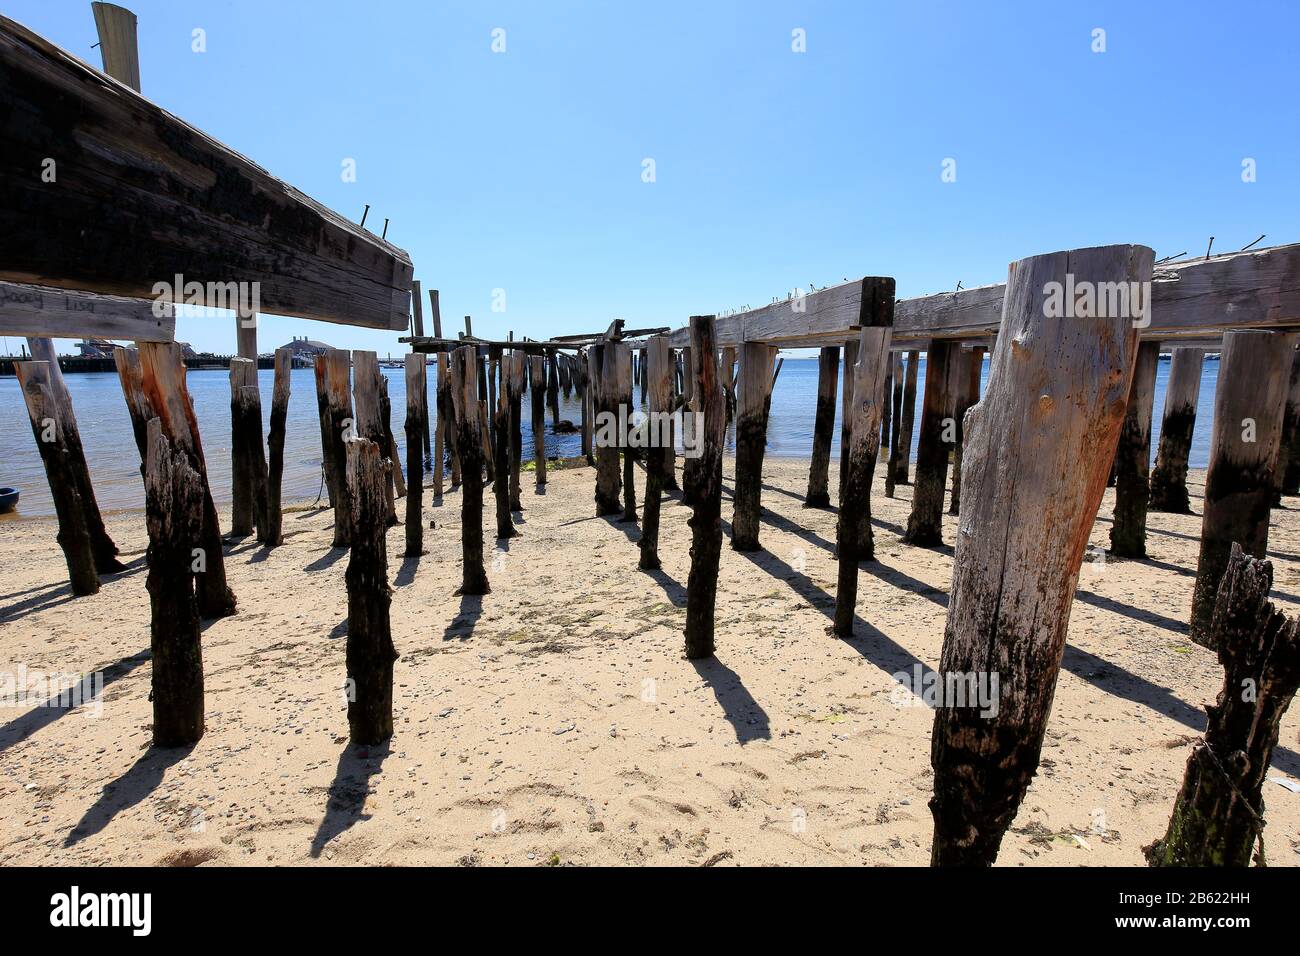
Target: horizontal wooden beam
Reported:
point(61, 313)
point(106, 192)
point(432, 343)
point(1259, 288)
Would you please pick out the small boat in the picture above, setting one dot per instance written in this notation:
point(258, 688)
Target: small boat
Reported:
point(8, 500)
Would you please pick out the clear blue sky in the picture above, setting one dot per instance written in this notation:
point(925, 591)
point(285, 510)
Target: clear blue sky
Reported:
point(522, 170)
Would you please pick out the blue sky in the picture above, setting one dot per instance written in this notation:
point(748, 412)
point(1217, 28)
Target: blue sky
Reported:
point(522, 170)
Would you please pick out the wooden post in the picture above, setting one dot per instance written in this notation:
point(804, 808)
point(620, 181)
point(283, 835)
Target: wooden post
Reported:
point(852, 530)
point(886, 414)
point(329, 465)
point(1249, 403)
point(909, 420)
point(1040, 443)
point(623, 409)
point(440, 390)
point(48, 428)
point(369, 394)
point(846, 400)
point(1128, 533)
point(537, 390)
point(1182, 392)
point(417, 326)
point(565, 368)
point(552, 388)
point(582, 377)
point(465, 409)
point(658, 365)
point(339, 427)
point(101, 545)
point(503, 473)
point(972, 363)
point(729, 381)
point(163, 379)
point(669, 473)
point(896, 426)
point(515, 361)
point(173, 494)
point(938, 435)
point(604, 383)
point(127, 361)
point(1219, 814)
point(275, 447)
point(391, 453)
point(1287, 472)
point(704, 488)
point(370, 650)
point(248, 463)
point(417, 426)
point(751, 442)
point(828, 368)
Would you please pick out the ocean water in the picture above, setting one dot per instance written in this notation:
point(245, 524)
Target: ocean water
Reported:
point(114, 461)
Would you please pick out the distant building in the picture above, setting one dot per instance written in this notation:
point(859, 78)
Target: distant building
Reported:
point(305, 348)
point(96, 348)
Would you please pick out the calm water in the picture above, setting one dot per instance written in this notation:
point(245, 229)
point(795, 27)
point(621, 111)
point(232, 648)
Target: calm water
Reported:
point(114, 461)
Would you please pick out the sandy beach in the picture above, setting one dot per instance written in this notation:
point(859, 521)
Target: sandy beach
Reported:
point(555, 721)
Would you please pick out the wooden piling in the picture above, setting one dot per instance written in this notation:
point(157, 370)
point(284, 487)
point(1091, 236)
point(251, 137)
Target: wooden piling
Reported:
point(1182, 392)
point(658, 367)
point(582, 377)
point(417, 326)
point(751, 441)
point(417, 426)
point(623, 410)
point(1040, 443)
point(852, 527)
point(1219, 813)
point(729, 381)
point(369, 393)
point(604, 385)
point(127, 361)
point(704, 488)
point(972, 364)
point(938, 435)
point(503, 473)
point(174, 517)
point(1287, 473)
point(329, 466)
point(248, 460)
point(163, 379)
point(49, 430)
point(339, 428)
point(275, 447)
point(465, 412)
point(370, 650)
point(828, 367)
point(846, 400)
point(537, 390)
point(515, 362)
point(1249, 404)
point(439, 425)
point(896, 424)
point(552, 388)
point(101, 545)
point(1128, 531)
point(901, 476)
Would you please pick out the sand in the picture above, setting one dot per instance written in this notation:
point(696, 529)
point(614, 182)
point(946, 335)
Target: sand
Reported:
point(555, 720)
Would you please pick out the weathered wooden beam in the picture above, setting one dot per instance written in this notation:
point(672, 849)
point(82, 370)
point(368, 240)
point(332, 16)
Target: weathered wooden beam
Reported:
point(417, 326)
point(514, 389)
point(248, 462)
point(416, 431)
point(127, 361)
point(1039, 443)
point(828, 367)
point(971, 365)
point(1249, 403)
point(139, 197)
point(537, 396)
point(846, 401)
point(902, 474)
point(369, 394)
point(938, 435)
point(864, 444)
point(703, 480)
point(503, 473)
point(1128, 532)
point(1258, 288)
point(1182, 392)
point(41, 311)
point(604, 385)
point(896, 426)
point(623, 410)
point(338, 426)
